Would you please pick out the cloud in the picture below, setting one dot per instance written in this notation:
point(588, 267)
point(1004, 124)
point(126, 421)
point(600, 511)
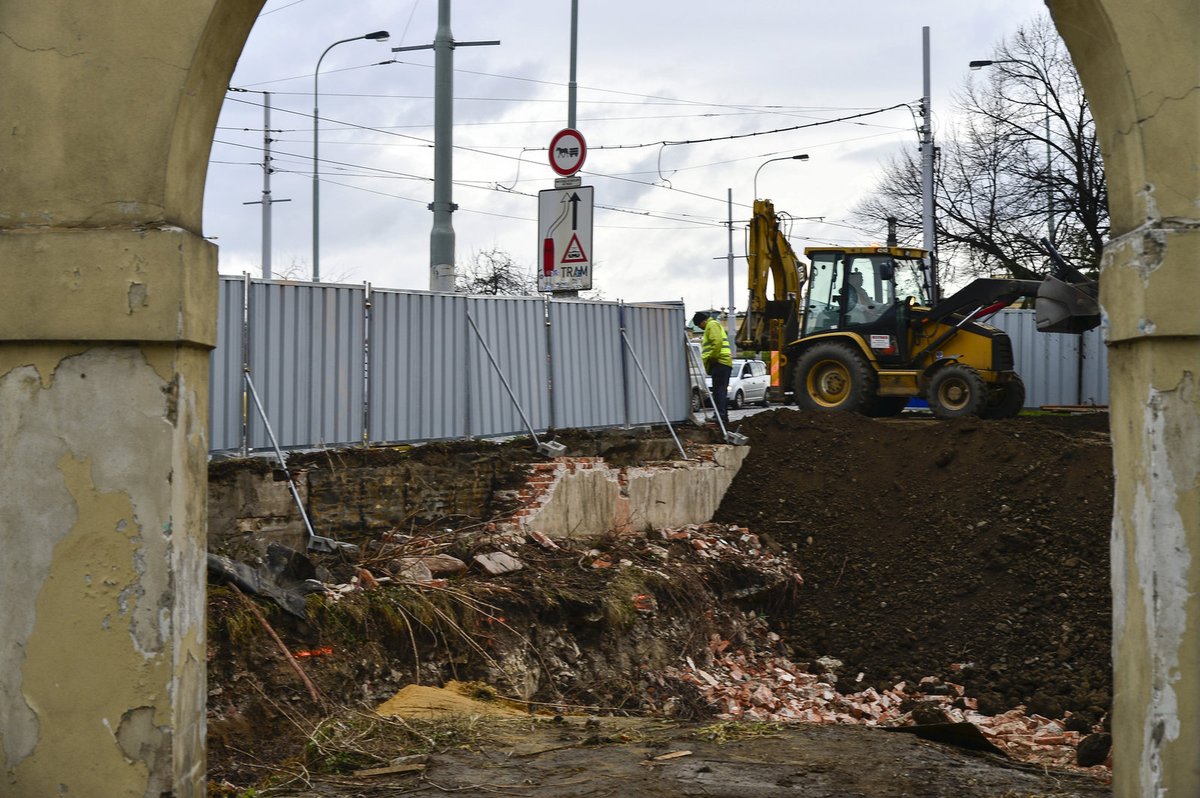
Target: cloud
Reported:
point(647, 72)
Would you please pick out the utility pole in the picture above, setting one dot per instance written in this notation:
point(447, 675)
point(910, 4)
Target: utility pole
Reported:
point(266, 200)
point(571, 293)
point(441, 238)
point(571, 86)
point(927, 153)
point(731, 316)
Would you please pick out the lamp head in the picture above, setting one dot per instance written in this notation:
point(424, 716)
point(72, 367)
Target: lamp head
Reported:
point(980, 64)
point(379, 36)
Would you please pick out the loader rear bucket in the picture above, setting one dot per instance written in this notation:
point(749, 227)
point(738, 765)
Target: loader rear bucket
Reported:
point(1067, 307)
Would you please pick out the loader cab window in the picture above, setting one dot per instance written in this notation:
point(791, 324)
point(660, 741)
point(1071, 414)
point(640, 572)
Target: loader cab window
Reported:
point(824, 288)
point(852, 289)
point(866, 294)
point(845, 290)
point(910, 280)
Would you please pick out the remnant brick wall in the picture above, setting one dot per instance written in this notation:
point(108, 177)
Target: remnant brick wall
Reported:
point(564, 497)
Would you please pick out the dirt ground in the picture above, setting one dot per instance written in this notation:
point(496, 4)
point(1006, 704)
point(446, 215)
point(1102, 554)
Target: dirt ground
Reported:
point(972, 551)
point(624, 757)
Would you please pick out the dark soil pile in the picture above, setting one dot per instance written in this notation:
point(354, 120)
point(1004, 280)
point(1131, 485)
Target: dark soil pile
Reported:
point(976, 551)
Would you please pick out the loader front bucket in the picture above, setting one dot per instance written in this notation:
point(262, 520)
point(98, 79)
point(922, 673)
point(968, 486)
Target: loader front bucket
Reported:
point(1067, 307)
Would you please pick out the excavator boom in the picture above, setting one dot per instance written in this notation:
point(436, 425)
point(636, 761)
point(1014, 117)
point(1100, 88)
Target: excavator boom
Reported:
point(771, 262)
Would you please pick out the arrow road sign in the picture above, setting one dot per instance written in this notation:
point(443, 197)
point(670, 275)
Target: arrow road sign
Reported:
point(565, 239)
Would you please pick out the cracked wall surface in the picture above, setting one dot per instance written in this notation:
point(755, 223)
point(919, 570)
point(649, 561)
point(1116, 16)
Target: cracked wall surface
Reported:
point(1140, 68)
point(106, 320)
point(104, 611)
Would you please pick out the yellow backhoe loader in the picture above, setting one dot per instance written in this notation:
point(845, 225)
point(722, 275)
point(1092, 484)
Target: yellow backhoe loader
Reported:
point(857, 329)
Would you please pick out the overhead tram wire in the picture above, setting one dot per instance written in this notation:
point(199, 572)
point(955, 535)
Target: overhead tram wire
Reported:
point(425, 142)
point(734, 136)
point(722, 200)
point(281, 8)
point(784, 111)
point(714, 223)
point(387, 173)
point(429, 143)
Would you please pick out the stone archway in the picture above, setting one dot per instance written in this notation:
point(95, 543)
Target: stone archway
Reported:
point(108, 310)
point(1140, 69)
point(106, 317)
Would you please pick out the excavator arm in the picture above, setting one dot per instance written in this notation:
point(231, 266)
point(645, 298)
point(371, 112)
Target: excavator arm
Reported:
point(770, 259)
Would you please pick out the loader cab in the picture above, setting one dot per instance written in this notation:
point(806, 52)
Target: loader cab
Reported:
point(867, 290)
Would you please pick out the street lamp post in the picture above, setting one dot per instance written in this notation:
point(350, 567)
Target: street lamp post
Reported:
point(378, 36)
point(1049, 148)
point(803, 157)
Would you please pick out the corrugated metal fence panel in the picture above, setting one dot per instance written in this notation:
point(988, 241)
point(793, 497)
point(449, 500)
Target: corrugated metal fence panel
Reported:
point(1095, 368)
point(418, 366)
point(586, 364)
point(306, 359)
point(514, 329)
point(1050, 363)
point(429, 376)
point(655, 334)
point(225, 369)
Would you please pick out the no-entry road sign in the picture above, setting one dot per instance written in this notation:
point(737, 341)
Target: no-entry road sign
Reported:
point(565, 239)
point(567, 151)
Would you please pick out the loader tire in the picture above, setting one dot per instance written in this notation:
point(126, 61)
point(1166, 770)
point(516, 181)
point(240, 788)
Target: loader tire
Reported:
point(834, 377)
point(957, 391)
point(1009, 401)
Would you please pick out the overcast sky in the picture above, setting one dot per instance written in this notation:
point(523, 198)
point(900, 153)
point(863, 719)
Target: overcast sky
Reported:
point(647, 72)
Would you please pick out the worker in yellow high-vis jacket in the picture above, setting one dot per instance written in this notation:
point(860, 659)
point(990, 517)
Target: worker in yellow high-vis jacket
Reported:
point(718, 360)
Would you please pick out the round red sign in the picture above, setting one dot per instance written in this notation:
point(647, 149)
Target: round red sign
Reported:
point(567, 151)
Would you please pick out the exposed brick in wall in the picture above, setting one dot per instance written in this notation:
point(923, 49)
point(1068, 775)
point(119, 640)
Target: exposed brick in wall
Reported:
point(356, 501)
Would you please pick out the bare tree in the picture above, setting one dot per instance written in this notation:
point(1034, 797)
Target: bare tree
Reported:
point(494, 272)
point(1023, 164)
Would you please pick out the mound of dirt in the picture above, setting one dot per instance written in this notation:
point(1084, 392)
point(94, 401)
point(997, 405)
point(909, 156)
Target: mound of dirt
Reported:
point(976, 551)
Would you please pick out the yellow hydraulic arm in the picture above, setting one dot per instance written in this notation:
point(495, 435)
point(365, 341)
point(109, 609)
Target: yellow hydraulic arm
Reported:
point(769, 255)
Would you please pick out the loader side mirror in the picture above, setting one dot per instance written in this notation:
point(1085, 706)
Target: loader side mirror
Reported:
point(887, 270)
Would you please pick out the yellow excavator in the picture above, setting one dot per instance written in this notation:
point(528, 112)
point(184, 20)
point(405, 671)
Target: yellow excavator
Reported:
point(857, 328)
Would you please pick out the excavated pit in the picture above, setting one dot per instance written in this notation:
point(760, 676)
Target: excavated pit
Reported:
point(972, 551)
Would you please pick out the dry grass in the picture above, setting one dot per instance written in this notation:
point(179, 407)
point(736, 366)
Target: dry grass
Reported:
point(732, 730)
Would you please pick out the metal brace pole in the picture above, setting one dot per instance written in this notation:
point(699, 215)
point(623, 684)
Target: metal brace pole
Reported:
point(245, 327)
point(550, 448)
point(637, 362)
point(313, 541)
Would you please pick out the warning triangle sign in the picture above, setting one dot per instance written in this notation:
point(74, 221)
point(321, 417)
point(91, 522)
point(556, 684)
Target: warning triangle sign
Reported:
point(574, 253)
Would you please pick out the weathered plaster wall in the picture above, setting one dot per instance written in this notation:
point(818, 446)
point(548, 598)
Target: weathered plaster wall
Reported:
point(106, 318)
point(1141, 69)
point(103, 653)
